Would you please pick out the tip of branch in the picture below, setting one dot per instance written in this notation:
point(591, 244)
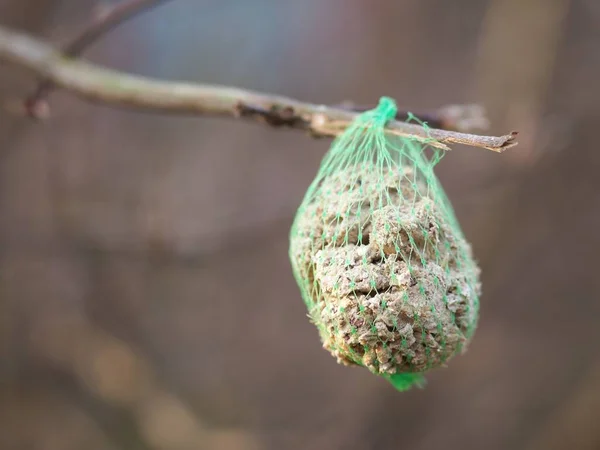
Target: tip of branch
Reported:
point(39, 110)
point(508, 141)
point(36, 108)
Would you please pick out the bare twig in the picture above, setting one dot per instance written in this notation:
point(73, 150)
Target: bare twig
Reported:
point(105, 20)
point(119, 89)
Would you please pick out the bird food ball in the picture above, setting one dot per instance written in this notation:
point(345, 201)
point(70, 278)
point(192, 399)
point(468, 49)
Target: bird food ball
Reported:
point(383, 267)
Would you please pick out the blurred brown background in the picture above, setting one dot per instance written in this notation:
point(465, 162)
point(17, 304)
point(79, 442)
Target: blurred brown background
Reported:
point(146, 299)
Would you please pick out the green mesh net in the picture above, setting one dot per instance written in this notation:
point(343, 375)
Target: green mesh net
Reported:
point(381, 261)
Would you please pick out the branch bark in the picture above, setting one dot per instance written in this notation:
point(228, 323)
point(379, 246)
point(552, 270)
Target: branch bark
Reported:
point(105, 20)
point(98, 84)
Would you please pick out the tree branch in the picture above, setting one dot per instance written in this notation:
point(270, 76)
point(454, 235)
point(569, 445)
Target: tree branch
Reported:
point(105, 20)
point(463, 118)
point(102, 85)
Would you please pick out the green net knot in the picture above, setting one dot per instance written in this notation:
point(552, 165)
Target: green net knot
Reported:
point(379, 116)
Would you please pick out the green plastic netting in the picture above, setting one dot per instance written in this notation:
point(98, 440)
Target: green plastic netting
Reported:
point(381, 261)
